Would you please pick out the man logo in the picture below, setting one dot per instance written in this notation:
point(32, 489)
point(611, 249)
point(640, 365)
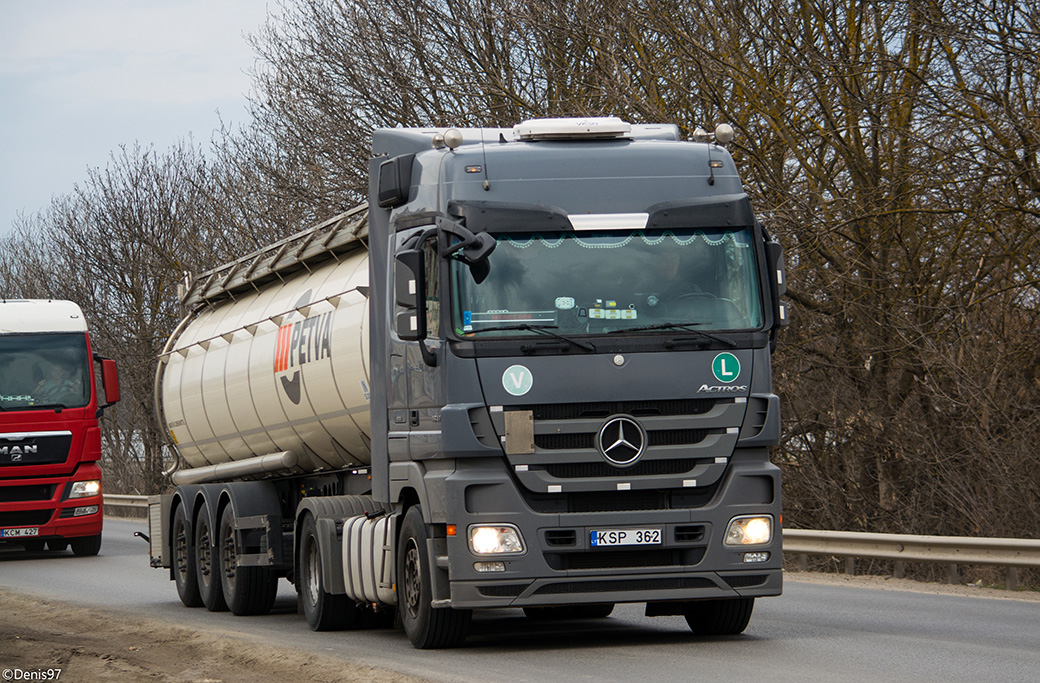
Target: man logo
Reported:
point(621, 440)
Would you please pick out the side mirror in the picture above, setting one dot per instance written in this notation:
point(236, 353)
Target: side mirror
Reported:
point(110, 378)
point(395, 179)
point(410, 293)
point(110, 381)
point(777, 281)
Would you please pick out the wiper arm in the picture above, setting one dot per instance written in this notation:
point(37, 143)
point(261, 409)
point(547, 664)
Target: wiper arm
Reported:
point(540, 329)
point(688, 327)
point(47, 406)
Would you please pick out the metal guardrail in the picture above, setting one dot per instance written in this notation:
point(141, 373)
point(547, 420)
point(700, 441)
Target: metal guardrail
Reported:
point(902, 548)
point(116, 500)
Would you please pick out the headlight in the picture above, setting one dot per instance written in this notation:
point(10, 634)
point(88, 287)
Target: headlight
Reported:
point(494, 540)
point(750, 530)
point(82, 489)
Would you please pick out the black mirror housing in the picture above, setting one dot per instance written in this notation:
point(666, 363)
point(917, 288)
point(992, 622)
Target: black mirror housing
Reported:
point(395, 180)
point(410, 293)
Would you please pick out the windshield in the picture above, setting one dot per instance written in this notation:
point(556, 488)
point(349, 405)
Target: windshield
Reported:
point(606, 282)
point(43, 371)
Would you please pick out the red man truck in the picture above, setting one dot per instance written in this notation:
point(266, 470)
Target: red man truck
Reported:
point(50, 441)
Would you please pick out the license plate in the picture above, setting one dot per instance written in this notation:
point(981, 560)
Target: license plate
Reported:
point(19, 533)
point(600, 538)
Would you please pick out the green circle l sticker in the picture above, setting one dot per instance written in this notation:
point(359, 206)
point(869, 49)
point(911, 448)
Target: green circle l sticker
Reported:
point(725, 367)
point(517, 380)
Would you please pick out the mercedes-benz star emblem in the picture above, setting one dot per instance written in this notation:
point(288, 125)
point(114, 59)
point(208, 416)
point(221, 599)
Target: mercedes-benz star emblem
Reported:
point(621, 440)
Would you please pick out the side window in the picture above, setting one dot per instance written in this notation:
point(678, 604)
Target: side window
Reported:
point(433, 288)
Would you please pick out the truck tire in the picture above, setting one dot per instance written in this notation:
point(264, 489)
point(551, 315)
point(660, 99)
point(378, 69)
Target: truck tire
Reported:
point(207, 569)
point(86, 546)
point(183, 560)
point(727, 617)
point(323, 610)
point(247, 590)
point(569, 612)
point(425, 626)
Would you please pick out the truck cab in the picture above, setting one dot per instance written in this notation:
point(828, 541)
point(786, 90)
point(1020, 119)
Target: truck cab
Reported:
point(580, 316)
point(50, 441)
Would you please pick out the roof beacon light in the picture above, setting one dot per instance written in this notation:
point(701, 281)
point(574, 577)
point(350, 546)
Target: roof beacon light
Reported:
point(604, 127)
point(723, 134)
point(452, 138)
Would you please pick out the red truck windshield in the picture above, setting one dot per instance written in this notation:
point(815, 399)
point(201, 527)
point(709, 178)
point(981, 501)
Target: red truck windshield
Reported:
point(44, 371)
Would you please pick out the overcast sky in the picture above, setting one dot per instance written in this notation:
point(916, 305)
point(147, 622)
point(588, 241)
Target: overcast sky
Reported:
point(79, 78)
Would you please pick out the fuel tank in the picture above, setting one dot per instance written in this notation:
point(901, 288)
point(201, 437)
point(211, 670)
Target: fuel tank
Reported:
point(280, 367)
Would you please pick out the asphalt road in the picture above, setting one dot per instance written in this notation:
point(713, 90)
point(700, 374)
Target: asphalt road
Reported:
point(813, 633)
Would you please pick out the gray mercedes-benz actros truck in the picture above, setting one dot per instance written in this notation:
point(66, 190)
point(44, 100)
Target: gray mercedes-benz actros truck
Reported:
point(533, 372)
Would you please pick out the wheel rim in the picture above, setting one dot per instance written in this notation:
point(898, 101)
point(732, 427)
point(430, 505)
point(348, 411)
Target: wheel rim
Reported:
point(228, 556)
point(313, 571)
point(412, 579)
point(205, 557)
point(180, 550)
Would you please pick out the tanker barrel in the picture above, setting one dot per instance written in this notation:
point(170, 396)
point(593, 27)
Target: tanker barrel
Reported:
point(273, 358)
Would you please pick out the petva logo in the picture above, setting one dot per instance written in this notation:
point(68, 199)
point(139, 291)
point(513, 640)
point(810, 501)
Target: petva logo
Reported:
point(298, 343)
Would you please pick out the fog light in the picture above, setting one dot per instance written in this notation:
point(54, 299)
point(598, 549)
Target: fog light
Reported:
point(493, 540)
point(83, 489)
point(756, 557)
point(484, 567)
point(750, 530)
point(86, 510)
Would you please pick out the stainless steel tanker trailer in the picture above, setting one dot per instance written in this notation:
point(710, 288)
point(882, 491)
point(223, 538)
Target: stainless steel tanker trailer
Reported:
point(532, 372)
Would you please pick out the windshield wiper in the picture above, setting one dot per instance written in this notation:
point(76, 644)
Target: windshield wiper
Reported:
point(47, 406)
point(688, 327)
point(540, 329)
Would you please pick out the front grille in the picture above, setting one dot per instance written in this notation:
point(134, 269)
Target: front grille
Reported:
point(575, 442)
point(578, 411)
point(561, 537)
point(601, 469)
point(565, 442)
point(25, 518)
point(675, 437)
point(502, 591)
point(625, 585)
point(680, 443)
point(746, 581)
point(23, 494)
point(624, 559)
point(620, 501)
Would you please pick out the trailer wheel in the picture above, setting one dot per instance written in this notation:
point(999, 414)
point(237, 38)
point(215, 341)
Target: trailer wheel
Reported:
point(323, 610)
point(184, 572)
point(427, 627)
point(206, 564)
point(727, 617)
point(247, 590)
point(86, 546)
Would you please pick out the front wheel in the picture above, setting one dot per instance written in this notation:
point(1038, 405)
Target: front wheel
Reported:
point(425, 626)
point(86, 545)
point(247, 590)
point(727, 617)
